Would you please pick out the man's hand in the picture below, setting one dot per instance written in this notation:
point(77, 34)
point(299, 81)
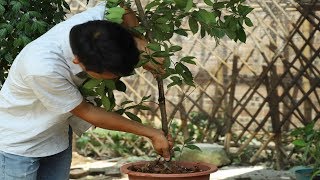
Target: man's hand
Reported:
point(162, 144)
point(155, 69)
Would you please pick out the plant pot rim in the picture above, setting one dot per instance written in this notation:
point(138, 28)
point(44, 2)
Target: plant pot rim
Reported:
point(211, 168)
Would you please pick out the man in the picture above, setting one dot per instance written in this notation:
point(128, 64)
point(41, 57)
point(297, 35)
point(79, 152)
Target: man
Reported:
point(41, 93)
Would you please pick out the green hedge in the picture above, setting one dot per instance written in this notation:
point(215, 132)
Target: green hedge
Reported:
point(22, 21)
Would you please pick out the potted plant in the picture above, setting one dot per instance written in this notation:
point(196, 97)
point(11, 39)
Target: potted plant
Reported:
point(157, 23)
point(307, 142)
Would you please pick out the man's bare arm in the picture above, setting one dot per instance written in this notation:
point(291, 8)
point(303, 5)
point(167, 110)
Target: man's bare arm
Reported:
point(109, 120)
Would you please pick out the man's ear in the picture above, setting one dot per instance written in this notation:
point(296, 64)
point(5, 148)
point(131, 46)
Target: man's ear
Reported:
point(76, 60)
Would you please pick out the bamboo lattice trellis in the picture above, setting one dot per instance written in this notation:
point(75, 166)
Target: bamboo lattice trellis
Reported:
point(251, 94)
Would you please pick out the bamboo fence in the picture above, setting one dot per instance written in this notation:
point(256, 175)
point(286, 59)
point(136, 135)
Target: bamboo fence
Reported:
point(249, 95)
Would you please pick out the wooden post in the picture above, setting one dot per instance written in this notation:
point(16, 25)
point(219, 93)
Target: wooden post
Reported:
point(229, 113)
point(305, 82)
point(272, 92)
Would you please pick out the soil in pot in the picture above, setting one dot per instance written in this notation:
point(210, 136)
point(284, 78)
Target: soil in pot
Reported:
point(154, 170)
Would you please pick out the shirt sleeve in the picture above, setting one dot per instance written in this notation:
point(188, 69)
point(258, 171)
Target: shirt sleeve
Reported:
point(56, 93)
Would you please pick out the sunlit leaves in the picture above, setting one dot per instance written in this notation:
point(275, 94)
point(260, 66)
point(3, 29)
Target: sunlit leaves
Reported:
point(92, 83)
point(115, 14)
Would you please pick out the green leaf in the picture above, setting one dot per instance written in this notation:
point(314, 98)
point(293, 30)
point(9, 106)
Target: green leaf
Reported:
point(110, 84)
point(188, 6)
point(3, 2)
point(188, 59)
point(125, 102)
point(175, 48)
point(241, 35)
point(174, 83)
point(145, 98)
point(248, 22)
point(181, 32)
point(188, 141)
point(161, 54)
point(162, 20)
point(231, 34)
point(167, 63)
point(175, 78)
point(17, 42)
point(101, 89)
point(179, 68)
point(66, 5)
point(217, 32)
point(106, 102)
point(193, 24)
point(133, 117)
point(2, 9)
point(151, 5)
point(177, 149)
point(205, 16)
point(142, 62)
point(120, 86)
point(116, 10)
point(203, 32)
point(154, 46)
point(142, 107)
point(208, 2)
point(193, 147)
point(139, 29)
point(219, 5)
point(299, 143)
point(181, 4)
point(3, 33)
point(115, 14)
point(16, 6)
point(92, 83)
point(114, 18)
point(120, 111)
point(244, 10)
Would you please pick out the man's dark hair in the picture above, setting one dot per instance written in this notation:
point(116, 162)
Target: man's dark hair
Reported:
point(104, 46)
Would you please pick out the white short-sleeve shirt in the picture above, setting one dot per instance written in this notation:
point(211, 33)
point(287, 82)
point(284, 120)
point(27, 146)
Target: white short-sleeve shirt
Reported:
point(40, 91)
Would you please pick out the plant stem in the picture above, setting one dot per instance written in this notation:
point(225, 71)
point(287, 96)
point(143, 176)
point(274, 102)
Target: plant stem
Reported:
point(162, 100)
point(162, 106)
point(143, 18)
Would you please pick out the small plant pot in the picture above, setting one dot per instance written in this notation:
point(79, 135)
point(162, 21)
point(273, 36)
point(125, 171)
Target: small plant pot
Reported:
point(206, 168)
point(305, 174)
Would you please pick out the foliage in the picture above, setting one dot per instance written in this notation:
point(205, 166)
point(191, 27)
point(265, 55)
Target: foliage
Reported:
point(163, 19)
point(112, 144)
point(22, 21)
point(118, 144)
point(188, 143)
point(102, 91)
point(307, 142)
